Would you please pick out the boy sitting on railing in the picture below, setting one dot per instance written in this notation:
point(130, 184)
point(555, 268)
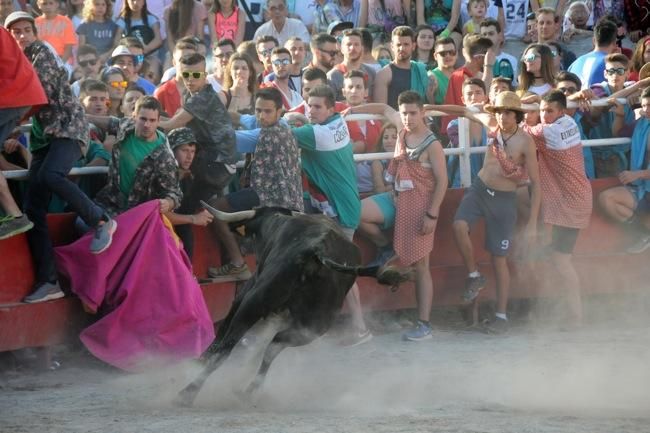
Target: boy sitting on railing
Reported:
point(630, 203)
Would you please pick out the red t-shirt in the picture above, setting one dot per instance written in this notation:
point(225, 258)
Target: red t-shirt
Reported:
point(169, 97)
point(455, 93)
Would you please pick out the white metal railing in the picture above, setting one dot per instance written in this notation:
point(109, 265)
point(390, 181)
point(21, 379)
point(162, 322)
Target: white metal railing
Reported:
point(464, 149)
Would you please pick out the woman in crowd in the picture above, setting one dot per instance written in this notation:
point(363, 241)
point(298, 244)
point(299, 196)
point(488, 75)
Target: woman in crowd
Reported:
point(424, 40)
point(117, 83)
point(74, 11)
point(135, 20)
point(239, 84)
point(227, 21)
point(248, 48)
point(536, 70)
point(640, 57)
point(184, 18)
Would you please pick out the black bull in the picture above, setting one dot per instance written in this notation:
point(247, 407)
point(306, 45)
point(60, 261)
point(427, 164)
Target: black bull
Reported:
point(305, 267)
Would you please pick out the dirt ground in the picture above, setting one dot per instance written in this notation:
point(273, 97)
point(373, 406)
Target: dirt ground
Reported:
point(534, 379)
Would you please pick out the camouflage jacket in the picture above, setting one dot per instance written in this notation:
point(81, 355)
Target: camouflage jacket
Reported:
point(63, 116)
point(155, 178)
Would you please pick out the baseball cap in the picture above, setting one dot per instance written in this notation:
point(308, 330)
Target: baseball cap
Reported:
point(179, 136)
point(119, 51)
point(17, 16)
point(339, 25)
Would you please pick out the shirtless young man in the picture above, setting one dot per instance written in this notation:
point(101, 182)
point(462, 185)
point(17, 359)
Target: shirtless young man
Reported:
point(420, 177)
point(509, 161)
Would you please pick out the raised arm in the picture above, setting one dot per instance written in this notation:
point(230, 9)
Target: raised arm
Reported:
point(181, 118)
point(377, 108)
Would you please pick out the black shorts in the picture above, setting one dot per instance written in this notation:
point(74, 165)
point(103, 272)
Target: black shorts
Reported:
point(499, 208)
point(244, 199)
point(563, 239)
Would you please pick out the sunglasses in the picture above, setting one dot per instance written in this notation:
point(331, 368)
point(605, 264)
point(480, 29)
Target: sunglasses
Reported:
point(554, 53)
point(446, 53)
point(224, 55)
point(617, 71)
point(329, 53)
point(568, 90)
point(118, 84)
point(281, 62)
point(195, 75)
point(478, 55)
point(139, 58)
point(84, 63)
point(530, 57)
point(266, 52)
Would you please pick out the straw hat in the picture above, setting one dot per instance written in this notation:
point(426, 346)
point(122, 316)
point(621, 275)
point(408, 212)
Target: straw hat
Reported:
point(505, 101)
point(644, 72)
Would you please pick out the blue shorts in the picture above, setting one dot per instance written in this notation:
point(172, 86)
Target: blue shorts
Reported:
point(386, 206)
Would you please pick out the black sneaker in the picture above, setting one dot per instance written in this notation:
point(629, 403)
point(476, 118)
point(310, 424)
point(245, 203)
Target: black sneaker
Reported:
point(497, 326)
point(473, 286)
point(12, 226)
point(44, 292)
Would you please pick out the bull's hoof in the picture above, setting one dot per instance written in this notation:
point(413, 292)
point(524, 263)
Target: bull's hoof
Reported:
point(185, 398)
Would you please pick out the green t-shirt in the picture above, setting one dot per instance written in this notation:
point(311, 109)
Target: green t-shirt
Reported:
point(133, 151)
point(37, 138)
point(328, 161)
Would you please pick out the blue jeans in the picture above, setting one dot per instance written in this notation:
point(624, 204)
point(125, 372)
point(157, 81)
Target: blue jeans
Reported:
point(48, 174)
point(8, 119)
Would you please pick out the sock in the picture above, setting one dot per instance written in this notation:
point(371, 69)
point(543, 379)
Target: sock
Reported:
point(474, 274)
point(501, 316)
point(424, 322)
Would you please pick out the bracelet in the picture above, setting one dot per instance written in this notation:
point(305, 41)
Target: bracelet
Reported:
point(445, 33)
point(433, 217)
point(193, 219)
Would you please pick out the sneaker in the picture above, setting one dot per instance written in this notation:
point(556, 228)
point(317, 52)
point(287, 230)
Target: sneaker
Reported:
point(44, 292)
point(103, 236)
point(421, 332)
point(497, 326)
point(640, 246)
point(229, 270)
point(357, 338)
point(12, 226)
point(473, 286)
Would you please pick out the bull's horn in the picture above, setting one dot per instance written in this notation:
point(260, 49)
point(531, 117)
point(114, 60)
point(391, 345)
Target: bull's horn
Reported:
point(229, 217)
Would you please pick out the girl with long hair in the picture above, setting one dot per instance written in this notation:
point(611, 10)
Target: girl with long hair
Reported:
point(98, 28)
point(117, 83)
point(240, 84)
point(74, 11)
point(640, 57)
point(135, 20)
point(226, 21)
point(184, 18)
point(424, 40)
point(536, 70)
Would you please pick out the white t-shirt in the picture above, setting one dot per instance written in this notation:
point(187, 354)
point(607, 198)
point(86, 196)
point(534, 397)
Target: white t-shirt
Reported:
point(515, 12)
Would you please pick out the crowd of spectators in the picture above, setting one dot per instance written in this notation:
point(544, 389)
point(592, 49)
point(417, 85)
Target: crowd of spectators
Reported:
point(170, 95)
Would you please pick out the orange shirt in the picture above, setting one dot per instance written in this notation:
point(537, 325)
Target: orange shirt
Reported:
point(58, 32)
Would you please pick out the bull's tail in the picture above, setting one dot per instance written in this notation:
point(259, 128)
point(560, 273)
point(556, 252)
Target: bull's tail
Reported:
point(388, 275)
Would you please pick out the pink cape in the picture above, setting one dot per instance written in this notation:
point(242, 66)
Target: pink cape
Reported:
point(154, 308)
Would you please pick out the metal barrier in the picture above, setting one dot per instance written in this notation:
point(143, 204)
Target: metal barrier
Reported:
point(464, 149)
